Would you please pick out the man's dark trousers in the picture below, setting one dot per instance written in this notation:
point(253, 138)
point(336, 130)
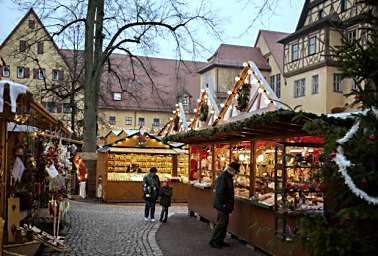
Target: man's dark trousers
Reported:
point(220, 230)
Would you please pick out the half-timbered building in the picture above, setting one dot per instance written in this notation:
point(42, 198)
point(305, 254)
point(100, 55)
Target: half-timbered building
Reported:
point(313, 79)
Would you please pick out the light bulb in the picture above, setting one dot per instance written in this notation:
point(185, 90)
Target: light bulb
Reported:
point(177, 105)
point(229, 92)
point(202, 90)
point(254, 81)
point(198, 100)
point(212, 112)
point(260, 90)
point(195, 110)
point(222, 105)
point(250, 71)
point(237, 78)
point(267, 101)
point(245, 64)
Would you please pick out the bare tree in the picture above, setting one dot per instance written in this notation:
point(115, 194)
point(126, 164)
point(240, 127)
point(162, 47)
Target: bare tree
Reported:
point(125, 26)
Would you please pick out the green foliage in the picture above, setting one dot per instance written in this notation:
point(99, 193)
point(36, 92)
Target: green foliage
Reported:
point(243, 97)
point(204, 112)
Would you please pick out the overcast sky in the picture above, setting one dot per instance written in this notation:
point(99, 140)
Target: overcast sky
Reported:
point(236, 16)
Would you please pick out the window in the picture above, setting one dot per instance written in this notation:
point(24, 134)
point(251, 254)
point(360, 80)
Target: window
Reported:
point(20, 72)
point(55, 75)
point(31, 24)
point(141, 121)
point(23, 45)
point(312, 45)
point(275, 84)
point(299, 88)
point(294, 52)
point(351, 36)
point(112, 120)
point(129, 120)
point(40, 48)
point(353, 84)
point(315, 84)
point(156, 122)
point(185, 101)
point(343, 5)
point(51, 107)
point(67, 108)
point(117, 96)
point(59, 108)
point(321, 13)
point(337, 83)
point(41, 74)
point(6, 71)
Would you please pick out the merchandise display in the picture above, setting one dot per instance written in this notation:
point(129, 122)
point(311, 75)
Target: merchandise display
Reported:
point(201, 159)
point(222, 157)
point(182, 167)
point(241, 154)
point(132, 167)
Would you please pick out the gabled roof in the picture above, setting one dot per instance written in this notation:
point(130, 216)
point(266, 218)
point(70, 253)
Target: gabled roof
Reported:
point(233, 56)
point(31, 12)
point(276, 49)
point(302, 18)
point(171, 78)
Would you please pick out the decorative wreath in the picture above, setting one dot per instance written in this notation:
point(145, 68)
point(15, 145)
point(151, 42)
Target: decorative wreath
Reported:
point(204, 111)
point(176, 123)
point(243, 97)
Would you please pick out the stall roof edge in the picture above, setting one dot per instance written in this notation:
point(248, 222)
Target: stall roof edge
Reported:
point(280, 123)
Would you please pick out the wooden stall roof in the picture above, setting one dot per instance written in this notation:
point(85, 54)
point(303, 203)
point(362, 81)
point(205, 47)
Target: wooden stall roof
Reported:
point(281, 123)
point(38, 116)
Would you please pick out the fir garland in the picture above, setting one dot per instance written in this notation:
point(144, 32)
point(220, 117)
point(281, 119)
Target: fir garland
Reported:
point(204, 111)
point(243, 97)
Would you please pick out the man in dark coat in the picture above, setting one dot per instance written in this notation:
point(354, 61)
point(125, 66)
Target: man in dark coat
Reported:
point(151, 187)
point(224, 204)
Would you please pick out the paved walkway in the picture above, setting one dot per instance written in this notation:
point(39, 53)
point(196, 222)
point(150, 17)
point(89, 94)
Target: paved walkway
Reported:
point(104, 229)
point(183, 235)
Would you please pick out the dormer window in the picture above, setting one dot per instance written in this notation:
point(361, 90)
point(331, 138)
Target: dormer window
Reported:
point(117, 96)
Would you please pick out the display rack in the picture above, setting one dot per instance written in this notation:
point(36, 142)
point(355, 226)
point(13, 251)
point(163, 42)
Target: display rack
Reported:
point(296, 187)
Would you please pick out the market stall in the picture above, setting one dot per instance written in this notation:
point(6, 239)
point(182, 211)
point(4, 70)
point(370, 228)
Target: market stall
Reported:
point(122, 165)
point(31, 146)
point(279, 161)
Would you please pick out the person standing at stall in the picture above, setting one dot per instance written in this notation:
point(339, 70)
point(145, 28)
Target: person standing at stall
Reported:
point(224, 204)
point(151, 188)
point(165, 199)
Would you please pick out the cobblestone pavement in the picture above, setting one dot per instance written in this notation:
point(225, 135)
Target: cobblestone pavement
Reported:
point(103, 229)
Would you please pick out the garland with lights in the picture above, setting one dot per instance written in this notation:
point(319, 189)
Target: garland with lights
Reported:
point(243, 97)
point(343, 163)
point(204, 112)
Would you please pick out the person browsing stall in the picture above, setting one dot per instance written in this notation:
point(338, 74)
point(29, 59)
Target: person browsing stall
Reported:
point(151, 188)
point(224, 204)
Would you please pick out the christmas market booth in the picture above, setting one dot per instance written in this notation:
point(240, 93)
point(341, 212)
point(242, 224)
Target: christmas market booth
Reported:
point(278, 179)
point(34, 166)
point(122, 165)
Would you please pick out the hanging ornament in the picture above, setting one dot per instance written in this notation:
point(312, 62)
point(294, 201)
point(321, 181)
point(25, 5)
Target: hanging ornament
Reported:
point(372, 137)
point(243, 97)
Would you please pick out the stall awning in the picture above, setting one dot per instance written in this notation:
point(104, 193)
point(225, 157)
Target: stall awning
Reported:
point(142, 150)
point(281, 123)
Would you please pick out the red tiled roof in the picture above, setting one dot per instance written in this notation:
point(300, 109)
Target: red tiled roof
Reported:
point(228, 55)
point(171, 79)
point(276, 49)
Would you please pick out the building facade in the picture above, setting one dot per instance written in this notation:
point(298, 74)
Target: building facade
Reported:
point(312, 77)
point(31, 57)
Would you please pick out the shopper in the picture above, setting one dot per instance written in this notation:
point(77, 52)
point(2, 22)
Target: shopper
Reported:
point(224, 204)
point(165, 199)
point(151, 187)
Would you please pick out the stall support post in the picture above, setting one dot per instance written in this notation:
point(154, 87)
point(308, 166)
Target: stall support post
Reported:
point(213, 166)
point(200, 163)
point(3, 164)
point(252, 168)
point(174, 165)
